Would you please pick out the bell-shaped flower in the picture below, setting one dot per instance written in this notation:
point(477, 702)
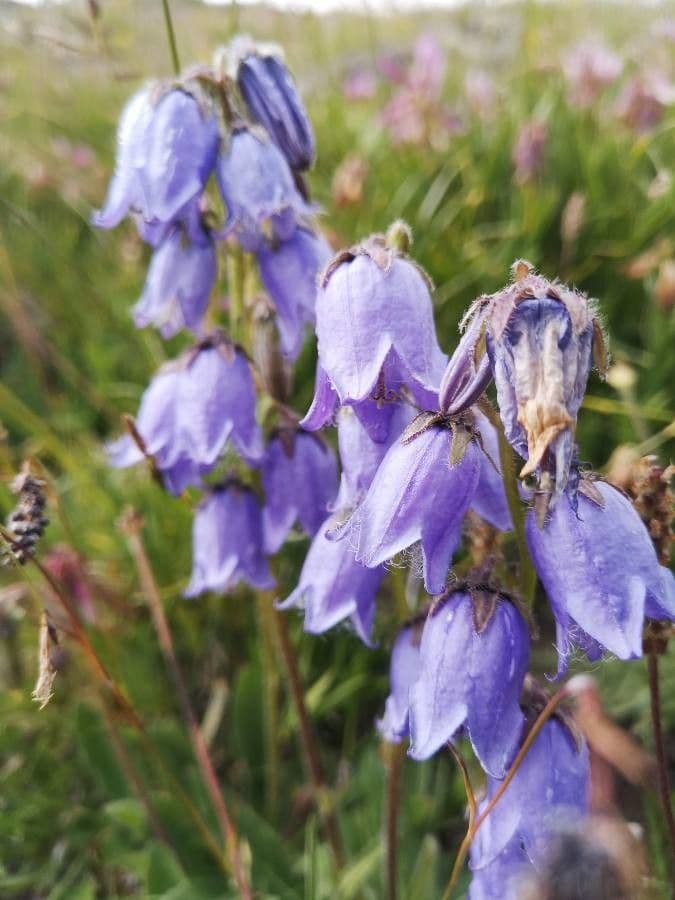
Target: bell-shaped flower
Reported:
point(289, 272)
point(191, 410)
point(540, 339)
point(273, 101)
point(227, 542)
point(404, 670)
point(376, 333)
point(474, 654)
point(548, 794)
point(299, 475)
point(420, 492)
point(180, 279)
point(257, 187)
point(167, 148)
point(333, 586)
point(600, 571)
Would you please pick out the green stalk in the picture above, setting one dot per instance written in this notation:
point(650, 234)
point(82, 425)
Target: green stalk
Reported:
point(171, 35)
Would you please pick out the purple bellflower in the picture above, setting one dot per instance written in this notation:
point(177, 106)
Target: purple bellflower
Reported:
point(289, 273)
point(190, 411)
point(377, 340)
point(227, 542)
point(474, 654)
point(180, 279)
point(540, 339)
point(404, 671)
point(600, 571)
point(420, 492)
point(299, 476)
point(167, 148)
point(333, 586)
point(273, 101)
point(257, 187)
point(548, 794)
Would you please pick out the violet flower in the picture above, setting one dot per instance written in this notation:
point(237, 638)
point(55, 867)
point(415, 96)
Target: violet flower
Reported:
point(289, 272)
point(167, 147)
point(528, 150)
point(505, 877)
point(299, 475)
point(417, 494)
point(333, 586)
point(474, 654)
point(180, 279)
point(227, 542)
point(643, 101)
point(257, 187)
point(274, 102)
point(404, 671)
point(377, 339)
point(190, 411)
point(600, 571)
point(548, 793)
point(589, 68)
point(540, 340)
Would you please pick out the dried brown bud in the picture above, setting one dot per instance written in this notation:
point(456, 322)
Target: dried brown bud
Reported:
point(48, 659)
point(349, 180)
point(649, 485)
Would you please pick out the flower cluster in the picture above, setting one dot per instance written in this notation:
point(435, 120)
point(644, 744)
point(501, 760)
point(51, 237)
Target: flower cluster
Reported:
point(235, 136)
point(420, 449)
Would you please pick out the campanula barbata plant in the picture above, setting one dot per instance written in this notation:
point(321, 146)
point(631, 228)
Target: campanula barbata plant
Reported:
point(212, 166)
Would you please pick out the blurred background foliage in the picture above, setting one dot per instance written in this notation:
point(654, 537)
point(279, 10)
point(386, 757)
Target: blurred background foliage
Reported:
point(596, 209)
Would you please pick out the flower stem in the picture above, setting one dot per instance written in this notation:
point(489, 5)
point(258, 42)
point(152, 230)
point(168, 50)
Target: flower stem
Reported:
point(131, 525)
point(659, 745)
point(393, 762)
point(171, 35)
point(476, 821)
point(310, 752)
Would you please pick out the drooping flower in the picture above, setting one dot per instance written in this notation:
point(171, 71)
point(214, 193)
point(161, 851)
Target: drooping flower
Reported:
point(333, 586)
point(299, 476)
point(190, 411)
point(180, 279)
point(377, 340)
point(404, 671)
point(420, 492)
point(227, 542)
point(600, 572)
point(540, 339)
point(167, 147)
point(289, 273)
point(547, 795)
point(474, 654)
point(273, 101)
point(258, 190)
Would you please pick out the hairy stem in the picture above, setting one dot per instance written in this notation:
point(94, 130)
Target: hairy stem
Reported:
point(659, 746)
point(131, 526)
point(476, 821)
point(171, 36)
point(310, 752)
